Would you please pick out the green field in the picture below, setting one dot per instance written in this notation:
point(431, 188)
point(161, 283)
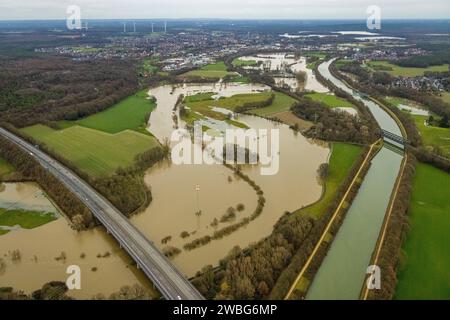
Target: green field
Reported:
point(5, 168)
point(433, 136)
point(239, 79)
point(147, 66)
point(26, 219)
point(404, 71)
point(342, 62)
point(244, 63)
point(212, 71)
point(94, 151)
point(425, 272)
point(396, 101)
point(446, 97)
point(203, 103)
point(317, 54)
point(330, 100)
point(342, 158)
point(281, 103)
point(129, 113)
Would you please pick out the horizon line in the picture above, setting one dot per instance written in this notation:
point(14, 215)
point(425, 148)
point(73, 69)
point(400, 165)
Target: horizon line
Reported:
point(232, 19)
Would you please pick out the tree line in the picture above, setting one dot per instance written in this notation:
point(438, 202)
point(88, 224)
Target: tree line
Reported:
point(390, 257)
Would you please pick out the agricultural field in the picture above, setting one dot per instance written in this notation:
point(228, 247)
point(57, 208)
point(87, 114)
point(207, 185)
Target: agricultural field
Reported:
point(397, 71)
point(446, 97)
point(200, 102)
point(148, 67)
point(201, 105)
point(93, 151)
point(5, 168)
point(330, 100)
point(244, 63)
point(23, 218)
point(239, 79)
point(342, 62)
point(128, 114)
point(317, 54)
point(281, 103)
point(342, 158)
point(289, 118)
point(433, 136)
point(396, 101)
point(424, 274)
point(212, 71)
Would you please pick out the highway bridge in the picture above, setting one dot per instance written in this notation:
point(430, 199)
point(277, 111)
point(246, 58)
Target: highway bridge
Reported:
point(171, 283)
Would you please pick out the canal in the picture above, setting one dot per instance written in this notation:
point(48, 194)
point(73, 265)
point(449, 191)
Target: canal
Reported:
point(342, 273)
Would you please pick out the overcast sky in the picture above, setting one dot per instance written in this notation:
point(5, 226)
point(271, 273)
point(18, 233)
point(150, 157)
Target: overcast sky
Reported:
point(238, 9)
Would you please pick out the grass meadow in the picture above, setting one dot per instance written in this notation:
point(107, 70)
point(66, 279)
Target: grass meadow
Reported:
point(342, 158)
point(424, 273)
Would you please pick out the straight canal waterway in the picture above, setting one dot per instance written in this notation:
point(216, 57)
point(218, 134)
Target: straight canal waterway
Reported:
point(342, 273)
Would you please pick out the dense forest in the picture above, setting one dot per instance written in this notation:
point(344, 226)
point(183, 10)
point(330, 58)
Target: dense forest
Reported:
point(330, 125)
point(38, 89)
point(434, 59)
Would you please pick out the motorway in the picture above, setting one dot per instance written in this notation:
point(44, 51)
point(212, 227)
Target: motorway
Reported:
point(171, 283)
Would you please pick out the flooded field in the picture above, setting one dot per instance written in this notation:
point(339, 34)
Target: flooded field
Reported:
point(281, 61)
point(40, 248)
point(175, 199)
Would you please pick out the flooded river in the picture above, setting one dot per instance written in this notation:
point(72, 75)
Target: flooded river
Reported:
point(280, 62)
point(174, 186)
point(175, 201)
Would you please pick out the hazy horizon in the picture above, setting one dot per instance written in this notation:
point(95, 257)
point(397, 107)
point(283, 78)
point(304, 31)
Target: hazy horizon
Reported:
point(224, 9)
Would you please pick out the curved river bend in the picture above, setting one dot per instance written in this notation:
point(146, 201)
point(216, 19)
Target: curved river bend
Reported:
point(342, 273)
point(174, 204)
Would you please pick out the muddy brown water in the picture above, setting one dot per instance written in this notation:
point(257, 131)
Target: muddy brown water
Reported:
point(175, 199)
point(40, 246)
point(171, 211)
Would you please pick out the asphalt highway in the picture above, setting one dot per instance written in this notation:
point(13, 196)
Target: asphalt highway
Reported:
point(171, 283)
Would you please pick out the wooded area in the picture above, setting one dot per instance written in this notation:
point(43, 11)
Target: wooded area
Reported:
point(47, 88)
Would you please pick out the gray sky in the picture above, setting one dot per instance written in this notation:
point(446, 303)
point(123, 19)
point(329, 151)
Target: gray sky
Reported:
point(238, 9)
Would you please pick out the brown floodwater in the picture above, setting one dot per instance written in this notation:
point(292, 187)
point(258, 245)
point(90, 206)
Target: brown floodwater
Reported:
point(175, 202)
point(40, 246)
point(279, 61)
point(172, 211)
